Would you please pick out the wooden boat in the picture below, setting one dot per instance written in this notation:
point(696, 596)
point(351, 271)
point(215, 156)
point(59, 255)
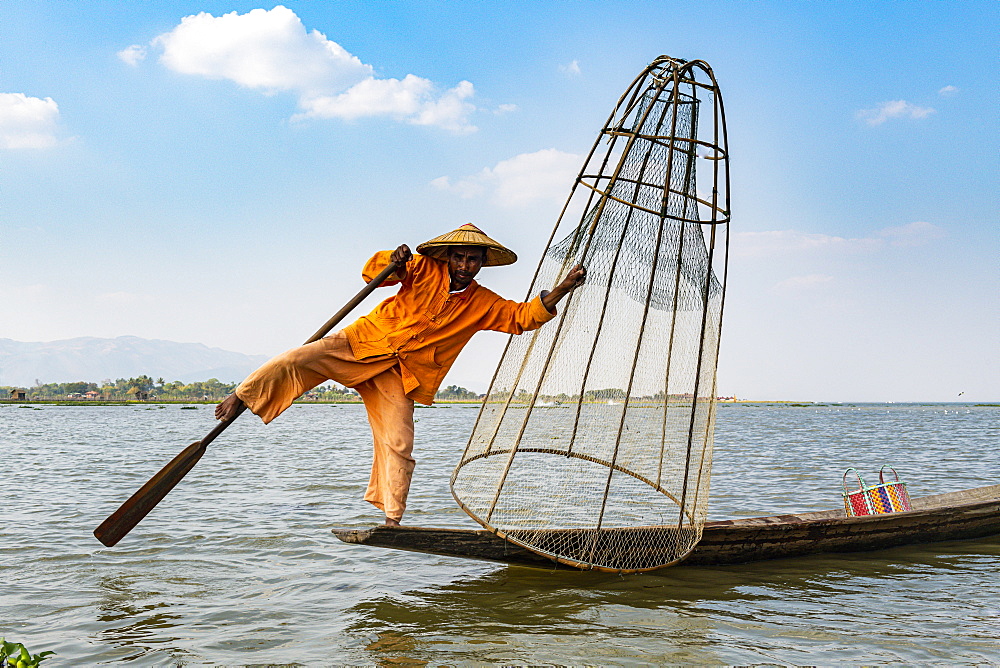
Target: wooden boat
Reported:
point(972, 513)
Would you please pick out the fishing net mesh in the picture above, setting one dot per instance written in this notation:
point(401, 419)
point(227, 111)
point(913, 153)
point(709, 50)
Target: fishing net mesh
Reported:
point(594, 443)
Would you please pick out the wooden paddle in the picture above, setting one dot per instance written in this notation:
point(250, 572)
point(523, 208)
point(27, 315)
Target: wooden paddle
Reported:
point(123, 520)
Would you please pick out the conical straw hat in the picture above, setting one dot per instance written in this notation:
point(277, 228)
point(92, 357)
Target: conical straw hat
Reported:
point(468, 235)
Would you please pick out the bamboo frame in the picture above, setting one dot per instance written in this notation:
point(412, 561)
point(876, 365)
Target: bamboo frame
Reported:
point(664, 87)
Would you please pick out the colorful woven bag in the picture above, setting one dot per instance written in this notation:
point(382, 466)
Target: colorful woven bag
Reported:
point(886, 497)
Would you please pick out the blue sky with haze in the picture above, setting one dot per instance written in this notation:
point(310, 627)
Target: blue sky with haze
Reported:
point(218, 172)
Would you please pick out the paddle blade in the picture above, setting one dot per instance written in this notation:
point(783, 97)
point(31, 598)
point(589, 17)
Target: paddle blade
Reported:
point(123, 520)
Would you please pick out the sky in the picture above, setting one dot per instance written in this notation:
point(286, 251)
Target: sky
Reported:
point(218, 172)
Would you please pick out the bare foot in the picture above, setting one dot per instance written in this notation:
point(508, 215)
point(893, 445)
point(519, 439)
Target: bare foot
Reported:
point(228, 408)
point(389, 522)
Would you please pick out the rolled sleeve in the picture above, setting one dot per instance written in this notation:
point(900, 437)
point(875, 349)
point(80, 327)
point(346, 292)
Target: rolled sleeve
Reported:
point(376, 264)
point(539, 312)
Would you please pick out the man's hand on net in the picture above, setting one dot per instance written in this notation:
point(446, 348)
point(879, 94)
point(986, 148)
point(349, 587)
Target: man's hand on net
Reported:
point(574, 278)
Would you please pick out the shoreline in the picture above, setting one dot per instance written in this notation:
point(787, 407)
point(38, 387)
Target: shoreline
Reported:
point(740, 402)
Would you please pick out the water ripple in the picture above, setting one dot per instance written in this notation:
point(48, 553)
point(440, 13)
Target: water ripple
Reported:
point(237, 565)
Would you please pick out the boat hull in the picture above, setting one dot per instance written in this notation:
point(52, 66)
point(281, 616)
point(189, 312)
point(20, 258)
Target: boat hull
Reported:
point(961, 515)
point(972, 513)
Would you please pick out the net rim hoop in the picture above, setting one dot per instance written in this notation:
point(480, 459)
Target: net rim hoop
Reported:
point(581, 565)
point(588, 566)
point(722, 152)
point(659, 214)
point(576, 455)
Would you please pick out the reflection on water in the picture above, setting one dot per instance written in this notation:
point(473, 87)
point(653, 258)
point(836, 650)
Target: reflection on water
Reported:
point(137, 623)
point(237, 565)
point(815, 610)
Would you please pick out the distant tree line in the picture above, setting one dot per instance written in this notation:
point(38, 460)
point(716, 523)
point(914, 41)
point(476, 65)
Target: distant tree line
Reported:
point(606, 395)
point(142, 387)
point(331, 392)
point(456, 393)
point(334, 392)
point(146, 388)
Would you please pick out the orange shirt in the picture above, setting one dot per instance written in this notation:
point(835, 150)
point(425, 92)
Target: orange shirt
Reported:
point(426, 327)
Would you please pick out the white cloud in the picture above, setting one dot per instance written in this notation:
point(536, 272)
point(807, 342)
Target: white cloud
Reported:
point(371, 97)
point(464, 188)
point(792, 242)
point(271, 51)
point(27, 122)
point(802, 283)
point(505, 109)
point(572, 69)
point(121, 298)
point(757, 244)
point(448, 111)
point(948, 91)
point(263, 49)
point(132, 55)
point(521, 180)
point(412, 99)
point(893, 109)
point(912, 234)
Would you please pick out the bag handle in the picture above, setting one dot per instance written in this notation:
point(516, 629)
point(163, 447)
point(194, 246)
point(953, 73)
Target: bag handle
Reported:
point(881, 479)
point(861, 481)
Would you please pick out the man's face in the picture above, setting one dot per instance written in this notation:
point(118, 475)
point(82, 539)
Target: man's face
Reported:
point(464, 262)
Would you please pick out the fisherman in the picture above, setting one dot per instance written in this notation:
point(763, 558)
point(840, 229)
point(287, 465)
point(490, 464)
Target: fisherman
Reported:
point(400, 352)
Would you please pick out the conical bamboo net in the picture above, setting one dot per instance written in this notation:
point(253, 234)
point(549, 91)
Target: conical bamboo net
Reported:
point(594, 443)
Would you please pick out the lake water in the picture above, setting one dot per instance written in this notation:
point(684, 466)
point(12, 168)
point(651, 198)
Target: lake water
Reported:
point(237, 565)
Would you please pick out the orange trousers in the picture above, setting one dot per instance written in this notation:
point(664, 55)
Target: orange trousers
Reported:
point(273, 387)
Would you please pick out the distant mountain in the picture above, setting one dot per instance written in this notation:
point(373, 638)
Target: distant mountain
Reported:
point(93, 360)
